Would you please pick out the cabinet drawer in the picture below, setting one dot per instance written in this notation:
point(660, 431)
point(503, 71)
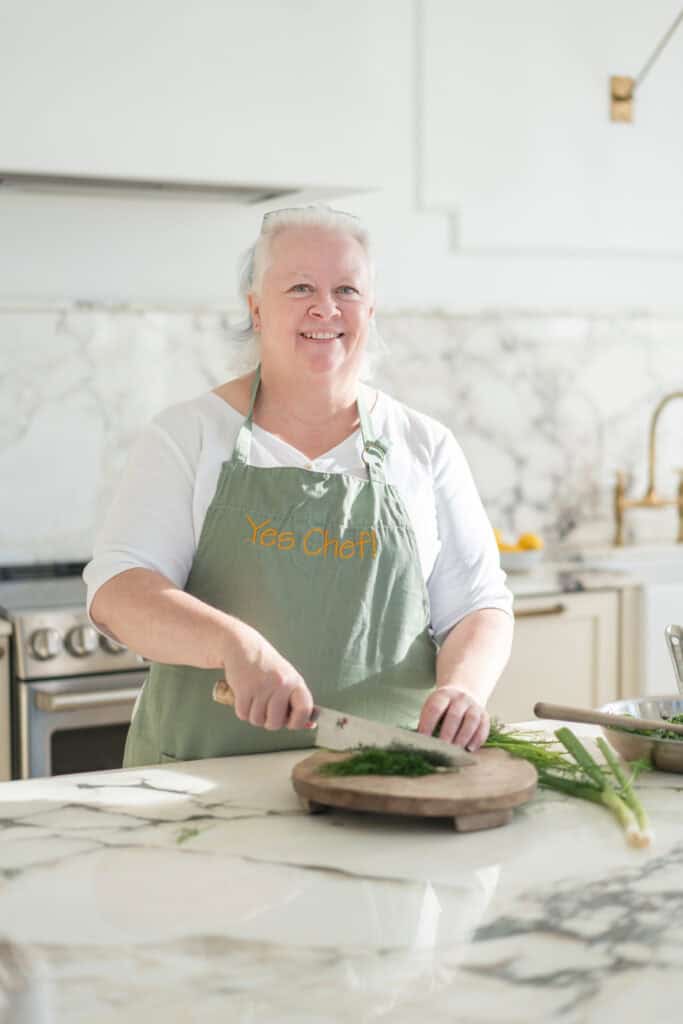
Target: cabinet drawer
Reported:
point(565, 650)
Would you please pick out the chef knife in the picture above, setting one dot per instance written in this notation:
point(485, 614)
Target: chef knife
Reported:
point(337, 730)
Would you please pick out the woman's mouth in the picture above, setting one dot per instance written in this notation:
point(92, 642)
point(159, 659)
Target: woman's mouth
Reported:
point(322, 336)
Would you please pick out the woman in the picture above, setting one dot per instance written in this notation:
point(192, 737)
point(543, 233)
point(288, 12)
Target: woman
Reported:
point(300, 533)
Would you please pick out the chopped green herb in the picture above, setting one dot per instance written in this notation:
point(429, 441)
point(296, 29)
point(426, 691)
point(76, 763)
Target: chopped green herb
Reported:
point(393, 760)
point(658, 734)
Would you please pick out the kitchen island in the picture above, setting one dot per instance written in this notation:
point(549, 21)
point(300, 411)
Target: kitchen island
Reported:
point(200, 891)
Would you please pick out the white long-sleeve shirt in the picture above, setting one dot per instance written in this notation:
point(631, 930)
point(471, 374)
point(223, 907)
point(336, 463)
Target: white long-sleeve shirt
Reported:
point(156, 518)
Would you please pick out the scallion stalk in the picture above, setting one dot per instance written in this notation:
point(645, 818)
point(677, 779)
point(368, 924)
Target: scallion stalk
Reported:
point(643, 834)
point(582, 776)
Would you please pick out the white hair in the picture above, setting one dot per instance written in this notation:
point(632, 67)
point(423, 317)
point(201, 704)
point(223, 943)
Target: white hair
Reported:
point(256, 258)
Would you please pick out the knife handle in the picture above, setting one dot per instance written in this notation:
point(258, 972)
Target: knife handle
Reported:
point(222, 694)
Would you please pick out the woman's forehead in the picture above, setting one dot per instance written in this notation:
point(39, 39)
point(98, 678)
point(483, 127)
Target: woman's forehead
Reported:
point(296, 251)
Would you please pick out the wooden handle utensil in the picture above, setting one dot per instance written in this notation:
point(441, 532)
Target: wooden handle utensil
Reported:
point(222, 693)
point(591, 717)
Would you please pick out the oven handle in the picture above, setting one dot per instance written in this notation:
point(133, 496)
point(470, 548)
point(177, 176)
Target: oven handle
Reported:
point(84, 701)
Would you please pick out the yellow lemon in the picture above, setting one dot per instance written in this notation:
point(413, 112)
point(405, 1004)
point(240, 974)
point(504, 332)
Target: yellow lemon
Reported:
point(509, 547)
point(500, 538)
point(529, 542)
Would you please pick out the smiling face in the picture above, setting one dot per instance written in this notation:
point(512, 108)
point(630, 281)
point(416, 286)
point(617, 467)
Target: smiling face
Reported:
point(314, 305)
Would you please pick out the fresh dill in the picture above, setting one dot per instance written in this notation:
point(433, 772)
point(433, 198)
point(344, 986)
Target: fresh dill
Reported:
point(393, 760)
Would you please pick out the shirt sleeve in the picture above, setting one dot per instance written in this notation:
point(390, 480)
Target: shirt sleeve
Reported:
point(149, 523)
point(467, 575)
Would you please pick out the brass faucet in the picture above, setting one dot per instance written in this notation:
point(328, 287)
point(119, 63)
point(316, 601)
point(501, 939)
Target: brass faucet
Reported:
point(651, 499)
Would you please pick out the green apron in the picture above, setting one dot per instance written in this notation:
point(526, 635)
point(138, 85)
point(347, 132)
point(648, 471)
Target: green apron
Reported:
point(325, 566)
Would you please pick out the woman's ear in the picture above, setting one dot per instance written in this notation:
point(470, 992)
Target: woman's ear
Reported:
point(255, 311)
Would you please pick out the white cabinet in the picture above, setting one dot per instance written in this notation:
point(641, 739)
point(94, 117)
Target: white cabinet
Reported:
point(266, 92)
point(566, 650)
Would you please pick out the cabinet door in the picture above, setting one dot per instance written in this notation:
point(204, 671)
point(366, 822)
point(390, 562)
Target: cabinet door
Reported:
point(565, 651)
point(269, 92)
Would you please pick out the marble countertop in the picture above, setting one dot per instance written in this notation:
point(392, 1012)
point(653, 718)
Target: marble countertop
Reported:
point(566, 577)
point(200, 891)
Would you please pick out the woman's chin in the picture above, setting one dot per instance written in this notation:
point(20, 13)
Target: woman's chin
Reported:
point(325, 358)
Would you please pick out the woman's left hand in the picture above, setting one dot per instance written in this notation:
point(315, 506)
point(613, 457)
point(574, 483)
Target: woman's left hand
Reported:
point(463, 719)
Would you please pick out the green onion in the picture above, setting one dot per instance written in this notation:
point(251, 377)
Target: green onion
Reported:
point(582, 776)
point(628, 793)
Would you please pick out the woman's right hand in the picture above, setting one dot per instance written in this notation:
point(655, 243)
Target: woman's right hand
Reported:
point(268, 691)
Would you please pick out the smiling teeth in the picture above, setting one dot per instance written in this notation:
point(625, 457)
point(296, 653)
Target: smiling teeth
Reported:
point(320, 335)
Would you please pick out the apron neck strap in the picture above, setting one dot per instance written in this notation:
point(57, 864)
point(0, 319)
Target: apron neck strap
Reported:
point(254, 392)
point(243, 442)
point(374, 449)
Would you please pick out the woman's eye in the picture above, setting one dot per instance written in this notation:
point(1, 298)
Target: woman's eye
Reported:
point(299, 287)
point(349, 290)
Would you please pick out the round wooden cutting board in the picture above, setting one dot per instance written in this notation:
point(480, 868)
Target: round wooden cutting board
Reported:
point(476, 796)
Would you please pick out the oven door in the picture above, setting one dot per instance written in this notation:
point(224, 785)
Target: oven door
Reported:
point(75, 725)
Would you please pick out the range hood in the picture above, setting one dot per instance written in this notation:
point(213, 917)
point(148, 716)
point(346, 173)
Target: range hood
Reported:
point(244, 193)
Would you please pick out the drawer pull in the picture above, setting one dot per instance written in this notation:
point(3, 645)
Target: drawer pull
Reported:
point(553, 609)
point(84, 701)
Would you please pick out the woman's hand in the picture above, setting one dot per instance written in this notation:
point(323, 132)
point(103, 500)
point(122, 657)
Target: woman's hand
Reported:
point(268, 691)
point(463, 719)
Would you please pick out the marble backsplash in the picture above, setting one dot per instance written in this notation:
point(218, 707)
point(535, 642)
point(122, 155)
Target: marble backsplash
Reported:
point(546, 407)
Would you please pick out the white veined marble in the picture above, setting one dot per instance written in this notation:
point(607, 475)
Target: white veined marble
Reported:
point(201, 892)
point(546, 406)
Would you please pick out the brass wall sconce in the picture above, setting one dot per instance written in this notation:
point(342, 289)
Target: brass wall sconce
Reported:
point(622, 89)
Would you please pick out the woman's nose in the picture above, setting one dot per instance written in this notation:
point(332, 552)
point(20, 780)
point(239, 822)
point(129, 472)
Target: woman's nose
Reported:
point(324, 307)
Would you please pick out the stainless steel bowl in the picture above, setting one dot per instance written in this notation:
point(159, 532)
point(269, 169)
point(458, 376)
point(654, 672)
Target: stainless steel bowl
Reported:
point(664, 755)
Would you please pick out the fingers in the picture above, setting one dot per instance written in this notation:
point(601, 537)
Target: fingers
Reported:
point(289, 705)
point(463, 720)
point(243, 701)
point(284, 704)
point(268, 691)
point(469, 723)
point(277, 709)
point(432, 711)
point(301, 704)
point(481, 735)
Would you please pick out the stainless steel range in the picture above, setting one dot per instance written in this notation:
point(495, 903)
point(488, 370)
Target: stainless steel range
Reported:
point(72, 690)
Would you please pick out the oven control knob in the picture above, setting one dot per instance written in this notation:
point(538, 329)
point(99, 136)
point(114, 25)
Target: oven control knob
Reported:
point(112, 646)
point(45, 644)
point(82, 641)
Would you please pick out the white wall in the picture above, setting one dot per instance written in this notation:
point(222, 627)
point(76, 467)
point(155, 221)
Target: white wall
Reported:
point(530, 83)
point(535, 244)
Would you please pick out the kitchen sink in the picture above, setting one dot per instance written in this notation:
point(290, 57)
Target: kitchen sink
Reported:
point(651, 565)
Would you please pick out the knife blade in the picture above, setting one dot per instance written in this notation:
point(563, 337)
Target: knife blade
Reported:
point(337, 730)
